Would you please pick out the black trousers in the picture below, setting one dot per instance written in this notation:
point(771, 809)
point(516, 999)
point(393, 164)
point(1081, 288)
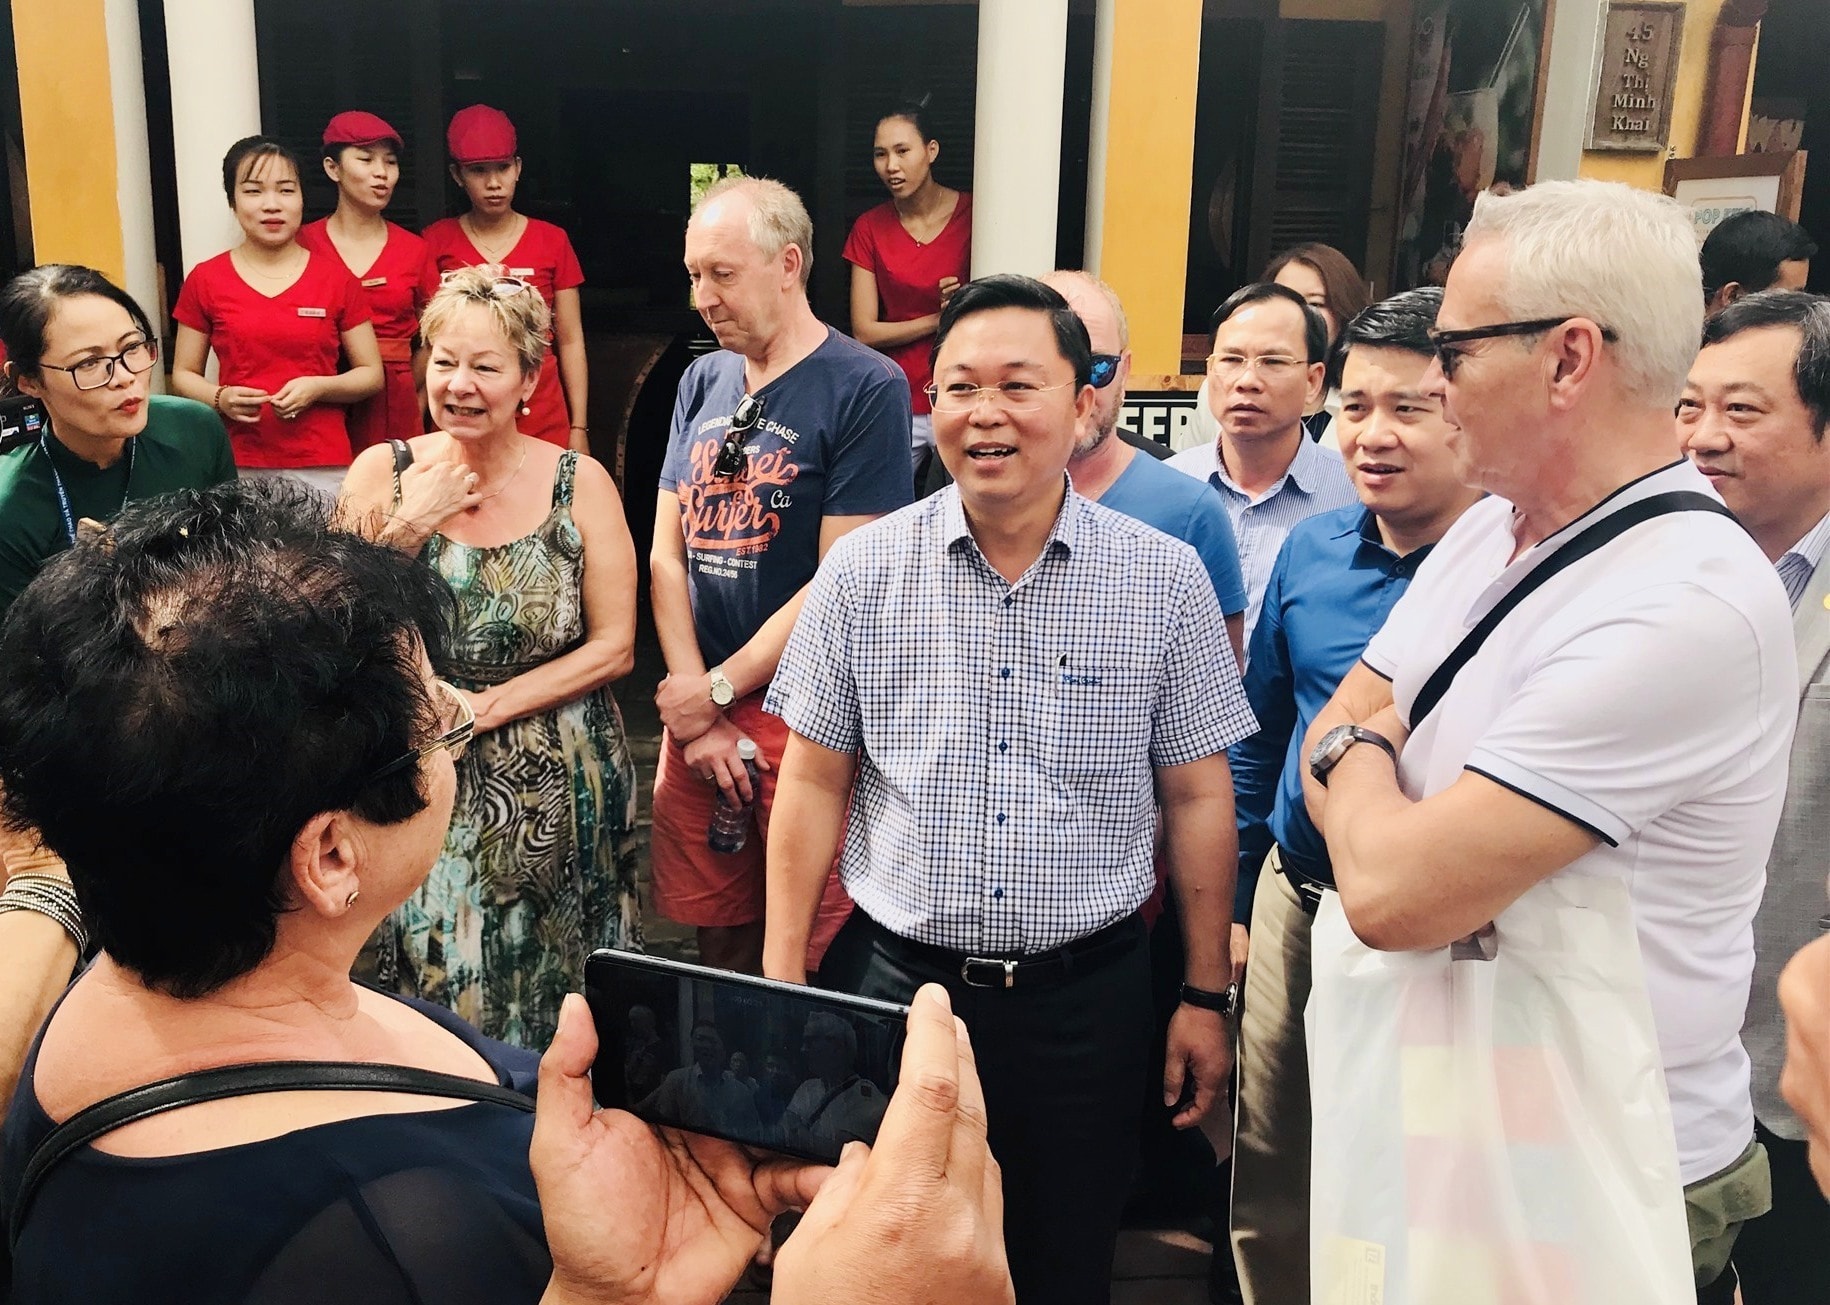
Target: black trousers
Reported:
point(1783, 1257)
point(1062, 1066)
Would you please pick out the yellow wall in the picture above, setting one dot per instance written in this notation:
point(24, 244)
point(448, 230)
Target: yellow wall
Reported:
point(68, 118)
point(1150, 134)
point(1647, 171)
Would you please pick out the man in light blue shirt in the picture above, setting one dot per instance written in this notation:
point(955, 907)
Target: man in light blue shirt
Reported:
point(1265, 369)
point(1113, 473)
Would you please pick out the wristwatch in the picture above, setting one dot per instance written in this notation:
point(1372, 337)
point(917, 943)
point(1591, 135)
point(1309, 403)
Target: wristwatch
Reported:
point(1334, 745)
point(1226, 1002)
point(723, 694)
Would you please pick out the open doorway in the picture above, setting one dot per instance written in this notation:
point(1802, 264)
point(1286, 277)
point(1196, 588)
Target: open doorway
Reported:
point(1791, 109)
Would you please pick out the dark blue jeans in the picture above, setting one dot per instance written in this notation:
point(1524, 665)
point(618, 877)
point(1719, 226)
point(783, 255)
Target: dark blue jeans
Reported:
point(1063, 1066)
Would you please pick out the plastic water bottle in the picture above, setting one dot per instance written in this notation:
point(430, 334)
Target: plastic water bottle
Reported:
point(731, 825)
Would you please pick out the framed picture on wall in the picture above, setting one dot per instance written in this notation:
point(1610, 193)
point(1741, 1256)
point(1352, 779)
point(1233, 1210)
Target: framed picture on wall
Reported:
point(1712, 189)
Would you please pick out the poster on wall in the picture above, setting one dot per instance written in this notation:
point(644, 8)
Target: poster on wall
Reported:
point(1714, 189)
point(1470, 122)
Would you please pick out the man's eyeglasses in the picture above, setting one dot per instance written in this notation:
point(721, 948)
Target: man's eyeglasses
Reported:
point(94, 373)
point(1269, 366)
point(732, 459)
point(456, 723)
point(1012, 396)
point(1449, 357)
point(1104, 368)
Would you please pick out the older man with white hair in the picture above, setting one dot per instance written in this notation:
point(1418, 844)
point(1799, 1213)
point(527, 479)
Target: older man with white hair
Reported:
point(1623, 731)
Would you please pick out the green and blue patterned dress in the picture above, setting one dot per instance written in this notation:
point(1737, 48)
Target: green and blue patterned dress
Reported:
point(538, 867)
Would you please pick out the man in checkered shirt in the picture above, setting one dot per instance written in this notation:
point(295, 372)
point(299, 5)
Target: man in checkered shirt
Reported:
point(1001, 684)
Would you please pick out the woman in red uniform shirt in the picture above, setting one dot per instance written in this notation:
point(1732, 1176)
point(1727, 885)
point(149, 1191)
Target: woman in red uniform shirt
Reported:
point(362, 155)
point(482, 145)
point(278, 317)
point(908, 256)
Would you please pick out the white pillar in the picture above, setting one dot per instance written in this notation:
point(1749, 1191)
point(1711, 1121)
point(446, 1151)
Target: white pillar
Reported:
point(215, 102)
point(1569, 87)
point(133, 161)
point(1104, 25)
point(1016, 173)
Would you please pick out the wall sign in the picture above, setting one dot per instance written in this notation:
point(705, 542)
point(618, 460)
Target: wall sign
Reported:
point(1159, 415)
point(1639, 59)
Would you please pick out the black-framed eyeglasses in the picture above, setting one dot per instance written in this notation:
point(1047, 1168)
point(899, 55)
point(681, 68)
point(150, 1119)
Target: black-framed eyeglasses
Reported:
point(1449, 356)
point(732, 459)
point(457, 722)
point(1104, 368)
point(94, 373)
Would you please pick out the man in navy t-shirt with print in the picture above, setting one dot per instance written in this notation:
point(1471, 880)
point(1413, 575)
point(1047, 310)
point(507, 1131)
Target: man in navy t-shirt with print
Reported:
point(782, 441)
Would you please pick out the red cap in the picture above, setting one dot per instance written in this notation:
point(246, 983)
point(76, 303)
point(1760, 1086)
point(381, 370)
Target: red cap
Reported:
point(480, 134)
point(356, 127)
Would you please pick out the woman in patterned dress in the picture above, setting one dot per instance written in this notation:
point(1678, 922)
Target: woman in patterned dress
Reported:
point(538, 867)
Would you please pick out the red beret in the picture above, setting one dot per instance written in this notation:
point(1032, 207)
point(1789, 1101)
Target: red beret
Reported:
point(480, 134)
point(356, 127)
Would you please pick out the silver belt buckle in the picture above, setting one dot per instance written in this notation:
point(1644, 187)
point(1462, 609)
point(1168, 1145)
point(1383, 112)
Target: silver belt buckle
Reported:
point(1009, 968)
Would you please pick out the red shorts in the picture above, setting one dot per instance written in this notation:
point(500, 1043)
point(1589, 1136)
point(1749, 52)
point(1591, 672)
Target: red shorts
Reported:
point(697, 886)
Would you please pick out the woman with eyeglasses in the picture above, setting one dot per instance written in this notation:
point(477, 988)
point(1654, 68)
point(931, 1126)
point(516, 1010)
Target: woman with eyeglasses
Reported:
point(362, 155)
point(486, 164)
point(85, 350)
point(538, 866)
point(908, 256)
point(280, 320)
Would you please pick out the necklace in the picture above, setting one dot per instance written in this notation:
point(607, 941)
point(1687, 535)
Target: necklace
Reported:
point(289, 273)
point(504, 485)
point(493, 252)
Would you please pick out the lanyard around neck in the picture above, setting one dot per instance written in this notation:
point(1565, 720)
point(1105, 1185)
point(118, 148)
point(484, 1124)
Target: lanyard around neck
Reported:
point(63, 495)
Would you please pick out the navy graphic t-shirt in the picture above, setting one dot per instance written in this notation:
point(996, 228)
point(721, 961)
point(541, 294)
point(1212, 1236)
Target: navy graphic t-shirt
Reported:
point(833, 441)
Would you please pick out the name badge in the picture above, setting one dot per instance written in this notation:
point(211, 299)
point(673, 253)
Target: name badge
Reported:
point(374, 281)
point(313, 312)
point(523, 272)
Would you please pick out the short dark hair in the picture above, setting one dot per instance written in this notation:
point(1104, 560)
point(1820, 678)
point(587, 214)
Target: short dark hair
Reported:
point(29, 300)
point(1315, 326)
point(179, 696)
point(1809, 315)
point(1747, 249)
point(989, 293)
point(1400, 322)
point(247, 152)
point(915, 111)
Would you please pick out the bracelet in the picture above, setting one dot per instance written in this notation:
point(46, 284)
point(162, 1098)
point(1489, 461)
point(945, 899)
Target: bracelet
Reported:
point(585, 429)
point(47, 895)
point(216, 402)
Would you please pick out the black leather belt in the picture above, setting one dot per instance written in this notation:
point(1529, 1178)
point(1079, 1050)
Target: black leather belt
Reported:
point(1304, 878)
point(1034, 970)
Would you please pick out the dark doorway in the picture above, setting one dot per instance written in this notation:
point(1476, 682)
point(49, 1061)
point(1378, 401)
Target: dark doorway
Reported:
point(15, 210)
point(1789, 85)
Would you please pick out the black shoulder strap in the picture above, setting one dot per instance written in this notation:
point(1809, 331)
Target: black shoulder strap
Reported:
point(1609, 528)
point(86, 1125)
point(403, 458)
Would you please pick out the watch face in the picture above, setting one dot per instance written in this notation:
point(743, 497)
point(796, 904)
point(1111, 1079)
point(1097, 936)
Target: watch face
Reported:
point(722, 693)
point(1328, 749)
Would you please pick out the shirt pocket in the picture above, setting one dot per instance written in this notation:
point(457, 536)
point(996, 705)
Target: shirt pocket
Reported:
point(1101, 715)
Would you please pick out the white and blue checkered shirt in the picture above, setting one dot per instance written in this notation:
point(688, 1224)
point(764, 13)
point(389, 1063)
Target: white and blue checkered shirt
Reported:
point(1004, 802)
point(1316, 482)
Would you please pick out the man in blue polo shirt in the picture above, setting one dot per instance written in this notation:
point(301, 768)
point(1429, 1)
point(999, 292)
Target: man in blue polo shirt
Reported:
point(1335, 579)
point(1114, 474)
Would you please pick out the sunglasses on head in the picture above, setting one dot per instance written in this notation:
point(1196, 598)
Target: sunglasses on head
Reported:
point(1104, 368)
point(732, 459)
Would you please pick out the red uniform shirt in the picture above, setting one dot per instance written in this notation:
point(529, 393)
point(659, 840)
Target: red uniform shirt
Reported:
point(395, 287)
point(908, 278)
point(263, 342)
point(542, 256)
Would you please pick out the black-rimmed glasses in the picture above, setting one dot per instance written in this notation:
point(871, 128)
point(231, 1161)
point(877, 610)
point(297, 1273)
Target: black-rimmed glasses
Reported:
point(1104, 368)
point(457, 722)
point(1449, 357)
point(97, 372)
point(732, 460)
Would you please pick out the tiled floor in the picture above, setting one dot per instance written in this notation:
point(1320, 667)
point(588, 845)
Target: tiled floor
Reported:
point(1154, 1267)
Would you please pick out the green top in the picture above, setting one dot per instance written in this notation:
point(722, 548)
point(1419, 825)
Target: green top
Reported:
point(183, 446)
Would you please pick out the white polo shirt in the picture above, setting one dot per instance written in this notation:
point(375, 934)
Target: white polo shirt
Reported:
point(1648, 693)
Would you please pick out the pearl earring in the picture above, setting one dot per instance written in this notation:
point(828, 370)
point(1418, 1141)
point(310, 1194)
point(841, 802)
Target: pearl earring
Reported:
point(526, 411)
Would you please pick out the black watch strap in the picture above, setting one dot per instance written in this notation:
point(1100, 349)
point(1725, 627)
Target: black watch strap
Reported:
point(1368, 736)
point(1224, 1002)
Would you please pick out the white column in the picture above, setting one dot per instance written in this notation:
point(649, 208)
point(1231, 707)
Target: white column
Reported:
point(1016, 174)
point(133, 163)
point(1569, 87)
point(1104, 25)
point(215, 102)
